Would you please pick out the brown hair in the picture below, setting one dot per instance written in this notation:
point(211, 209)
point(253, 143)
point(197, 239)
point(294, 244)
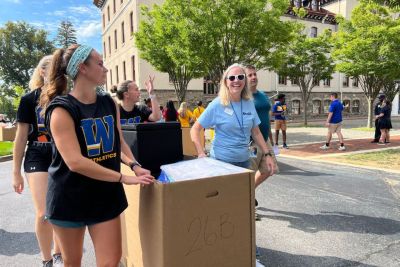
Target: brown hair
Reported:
point(57, 75)
point(121, 89)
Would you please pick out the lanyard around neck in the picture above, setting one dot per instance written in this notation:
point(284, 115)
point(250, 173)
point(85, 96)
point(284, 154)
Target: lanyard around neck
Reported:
point(237, 118)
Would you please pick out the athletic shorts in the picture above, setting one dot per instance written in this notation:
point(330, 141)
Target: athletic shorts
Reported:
point(280, 125)
point(75, 224)
point(38, 157)
point(335, 127)
point(258, 163)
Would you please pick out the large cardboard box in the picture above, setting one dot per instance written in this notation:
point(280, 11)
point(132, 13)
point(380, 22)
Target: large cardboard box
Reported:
point(189, 149)
point(7, 134)
point(197, 223)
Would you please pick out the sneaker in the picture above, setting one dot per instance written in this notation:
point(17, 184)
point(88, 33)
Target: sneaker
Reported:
point(285, 146)
point(342, 148)
point(381, 143)
point(324, 147)
point(374, 141)
point(57, 260)
point(48, 263)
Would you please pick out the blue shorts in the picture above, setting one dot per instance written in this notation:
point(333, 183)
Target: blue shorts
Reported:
point(243, 164)
point(71, 224)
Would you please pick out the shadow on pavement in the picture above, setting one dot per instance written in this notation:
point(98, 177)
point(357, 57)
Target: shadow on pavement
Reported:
point(18, 243)
point(286, 169)
point(278, 258)
point(335, 222)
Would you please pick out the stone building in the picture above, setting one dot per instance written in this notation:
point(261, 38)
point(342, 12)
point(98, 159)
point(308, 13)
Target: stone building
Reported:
point(120, 18)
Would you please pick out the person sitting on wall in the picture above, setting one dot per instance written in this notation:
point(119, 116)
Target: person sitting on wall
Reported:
point(185, 115)
point(169, 112)
point(128, 93)
point(198, 110)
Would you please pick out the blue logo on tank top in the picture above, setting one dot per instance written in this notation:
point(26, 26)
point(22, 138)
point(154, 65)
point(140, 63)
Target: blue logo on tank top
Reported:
point(99, 137)
point(130, 120)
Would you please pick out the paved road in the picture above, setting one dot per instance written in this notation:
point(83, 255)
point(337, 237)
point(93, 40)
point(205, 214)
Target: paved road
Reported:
point(318, 215)
point(313, 215)
point(18, 245)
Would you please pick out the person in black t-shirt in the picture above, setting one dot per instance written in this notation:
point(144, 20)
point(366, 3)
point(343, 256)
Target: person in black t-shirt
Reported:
point(30, 128)
point(377, 111)
point(85, 184)
point(128, 93)
point(385, 122)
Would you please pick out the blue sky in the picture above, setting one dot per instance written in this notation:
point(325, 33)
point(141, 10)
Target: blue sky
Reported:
point(47, 15)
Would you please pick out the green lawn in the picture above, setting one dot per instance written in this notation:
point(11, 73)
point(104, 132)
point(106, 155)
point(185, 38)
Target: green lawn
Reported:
point(364, 129)
point(387, 159)
point(6, 148)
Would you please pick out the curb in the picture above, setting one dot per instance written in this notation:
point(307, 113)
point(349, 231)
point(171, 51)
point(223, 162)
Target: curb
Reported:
point(319, 160)
point(6, 158)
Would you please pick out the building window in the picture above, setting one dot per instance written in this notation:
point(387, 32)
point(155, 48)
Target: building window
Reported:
point(327, 103)
point(296, 107)
point(209, 87)
point(327, 82)
point(356, 106)
point(124, 70)
point(108, 13)
point(345, 81)
point(131, 21)
point(115, 40)
point(355, 82)
point(109, 45)
point(314, 32)
point(282, 79)
point(294, 82)
point(104, 49)
point(104, 21)
point(133, 68)
point(315, 82)
point(346, 105)
point(114, 9)
point(117, 74)
point(316, 107)
point(123, 32)
point(111, 81)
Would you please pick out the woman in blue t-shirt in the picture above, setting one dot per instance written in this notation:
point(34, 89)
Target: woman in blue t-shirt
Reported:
point(384, 122)
point(233, 116)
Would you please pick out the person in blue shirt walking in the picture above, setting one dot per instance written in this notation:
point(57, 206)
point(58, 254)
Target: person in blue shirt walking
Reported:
point(234, 117)
point(334, 122)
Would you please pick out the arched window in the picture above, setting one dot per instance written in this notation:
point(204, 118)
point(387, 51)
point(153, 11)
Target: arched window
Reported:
point(296, 107)
point(327, 103)
point(316, 106)
point(346, 105)
point(355, 108)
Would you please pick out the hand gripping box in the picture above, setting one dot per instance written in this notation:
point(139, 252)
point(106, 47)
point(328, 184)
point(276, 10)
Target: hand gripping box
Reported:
point(202, 221)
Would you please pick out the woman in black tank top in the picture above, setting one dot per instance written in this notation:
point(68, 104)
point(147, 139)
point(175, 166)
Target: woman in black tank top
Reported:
point(85, 184)
point(31, 130)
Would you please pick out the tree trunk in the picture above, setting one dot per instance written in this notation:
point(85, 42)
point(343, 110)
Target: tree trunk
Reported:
point(371, 114)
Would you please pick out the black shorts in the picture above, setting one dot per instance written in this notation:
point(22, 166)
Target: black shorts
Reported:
point(37, 157)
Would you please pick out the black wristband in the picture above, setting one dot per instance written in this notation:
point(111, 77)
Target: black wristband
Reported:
point(133, 164)
point(120, 178)
point(268, 154)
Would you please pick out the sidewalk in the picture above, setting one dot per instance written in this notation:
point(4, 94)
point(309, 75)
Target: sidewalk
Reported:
point(352, 146)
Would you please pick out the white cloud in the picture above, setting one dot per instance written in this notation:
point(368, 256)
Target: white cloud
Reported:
point(58, 13)
point(14, 1)
point(89, 29)
point(89, 10)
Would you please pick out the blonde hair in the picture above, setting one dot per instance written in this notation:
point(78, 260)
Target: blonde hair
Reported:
point(37, 81)
point(182, 109)
point(224, 90)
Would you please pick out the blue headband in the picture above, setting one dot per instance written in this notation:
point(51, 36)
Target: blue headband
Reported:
point(78, 57)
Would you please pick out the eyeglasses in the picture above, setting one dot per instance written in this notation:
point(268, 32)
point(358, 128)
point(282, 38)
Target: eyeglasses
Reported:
point(239, 77)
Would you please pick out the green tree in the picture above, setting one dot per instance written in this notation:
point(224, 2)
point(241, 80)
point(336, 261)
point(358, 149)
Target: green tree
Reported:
point(21, 48)
point(367, 48)
point(165, 40)
point(307, 62)
point(195, 38)
point(391, 89)
point(66, 34)
point(9, 100)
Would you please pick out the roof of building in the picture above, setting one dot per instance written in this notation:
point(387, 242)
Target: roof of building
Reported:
point(99, 3)
point(321, 15)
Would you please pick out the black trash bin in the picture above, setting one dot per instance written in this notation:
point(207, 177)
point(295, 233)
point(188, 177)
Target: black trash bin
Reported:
point(154, 144)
